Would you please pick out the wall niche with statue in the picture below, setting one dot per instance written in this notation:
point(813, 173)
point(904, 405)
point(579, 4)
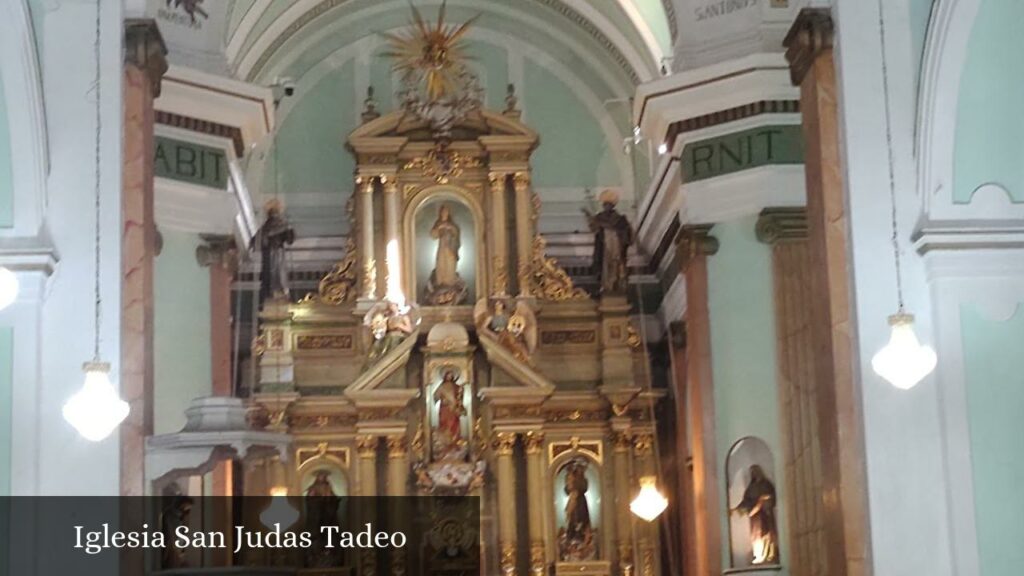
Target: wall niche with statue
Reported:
point(753, 508)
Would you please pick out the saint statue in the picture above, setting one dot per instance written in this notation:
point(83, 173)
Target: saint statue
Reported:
point(389, 326)
point(450, 410)
point(446, 287)
point(758, 505)
point(271, 240)
point(176, 513)
point(576, 539)
point(321, 511)
point(613, 236)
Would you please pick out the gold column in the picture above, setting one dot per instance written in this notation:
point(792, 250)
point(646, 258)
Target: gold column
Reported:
point(369, 271)
point(535, 490)
point(366, 447)
point(621, 444)
point(498, 235)
point(647, 562)
point(392, 217)
point(398, 483)
point(524, 231)
point(504, 442)
point(846, 539)
point(693, 247)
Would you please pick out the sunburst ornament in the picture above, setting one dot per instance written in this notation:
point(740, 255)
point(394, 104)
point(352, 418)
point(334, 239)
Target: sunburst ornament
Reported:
point(432, 62)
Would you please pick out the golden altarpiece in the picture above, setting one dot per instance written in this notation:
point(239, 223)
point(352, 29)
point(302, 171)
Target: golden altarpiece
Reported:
point(448, 355)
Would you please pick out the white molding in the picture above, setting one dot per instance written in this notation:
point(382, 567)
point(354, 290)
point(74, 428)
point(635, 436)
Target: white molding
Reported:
point(942, 67)
point(742, 194)
point(245, 26)
point(993, 282)
point(646, 69)
point(195, 94)
point(722, 86)
point(197, 209)
point(26, 114)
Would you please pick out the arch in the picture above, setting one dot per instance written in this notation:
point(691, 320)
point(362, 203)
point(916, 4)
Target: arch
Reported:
point(946, 43)
point(470, 201)
point(595, 498)
point(337, 468)
point(27, 118)
point(744, 456)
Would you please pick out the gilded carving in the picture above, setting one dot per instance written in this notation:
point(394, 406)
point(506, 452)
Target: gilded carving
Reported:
point(621, 441)
point(592, 448)
point(322, 421)
point(339, 285)
point(508, 558)
point(643, 444)
point(500, 283)
point(559, 337)
point(442, 165)
point(370, 279)
point(537, 557)
point(303, 455)
point(366, 446)
point(550, 282)
point(504, 442)
point(534, 442)
point(397, 447)
point(324, 342)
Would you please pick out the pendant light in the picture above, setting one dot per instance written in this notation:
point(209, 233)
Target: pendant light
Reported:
point(649, 502)
point(96, 410)
point(280, 514)
point(903, 361)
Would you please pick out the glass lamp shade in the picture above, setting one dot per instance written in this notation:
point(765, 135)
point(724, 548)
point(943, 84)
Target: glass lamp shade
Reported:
point(8, 287)
point(904, 362)
point(280, 512)
point(649, 503)
point(96, 410)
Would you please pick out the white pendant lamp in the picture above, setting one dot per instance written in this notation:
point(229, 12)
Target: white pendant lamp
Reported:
point(96, 410)
point(903, 361)
point(280, 514)
point(649, 502)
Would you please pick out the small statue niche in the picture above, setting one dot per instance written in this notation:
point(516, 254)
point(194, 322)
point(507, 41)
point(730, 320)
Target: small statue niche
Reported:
point(753, 501)
point(577, 501)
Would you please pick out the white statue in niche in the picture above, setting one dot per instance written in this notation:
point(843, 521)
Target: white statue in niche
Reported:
point(446, 287)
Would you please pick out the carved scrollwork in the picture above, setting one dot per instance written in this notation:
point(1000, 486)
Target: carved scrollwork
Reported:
point(550, 281)
point(339, 285)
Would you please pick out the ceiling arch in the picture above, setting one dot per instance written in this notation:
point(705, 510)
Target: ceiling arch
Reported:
point(629, 37)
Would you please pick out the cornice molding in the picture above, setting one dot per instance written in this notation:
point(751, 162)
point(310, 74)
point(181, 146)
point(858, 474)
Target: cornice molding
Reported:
point(812, 34)
point(144, 48)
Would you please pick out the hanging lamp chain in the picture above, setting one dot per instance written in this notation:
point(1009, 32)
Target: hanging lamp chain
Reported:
point(99, 129)
point(892, 169)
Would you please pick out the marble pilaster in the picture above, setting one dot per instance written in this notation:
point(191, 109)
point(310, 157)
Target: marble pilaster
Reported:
point(687, 542)
point(694, 245)
point(846, 544)
point(144, 66)
point(786, 230)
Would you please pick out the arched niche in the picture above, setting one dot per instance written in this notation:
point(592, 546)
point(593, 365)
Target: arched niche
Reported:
point(421, 249)
point(753, 525)
point(567, 465)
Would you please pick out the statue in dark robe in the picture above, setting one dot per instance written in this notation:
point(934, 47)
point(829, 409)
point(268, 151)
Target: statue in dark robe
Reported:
point(272, 239)
point(176, 513)
point(321, 511)
point(612, 237)
point(758, 505)
point(576, 539)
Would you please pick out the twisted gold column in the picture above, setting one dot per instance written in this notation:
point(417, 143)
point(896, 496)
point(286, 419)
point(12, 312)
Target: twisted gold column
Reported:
point(504, 443)
point(535, 489)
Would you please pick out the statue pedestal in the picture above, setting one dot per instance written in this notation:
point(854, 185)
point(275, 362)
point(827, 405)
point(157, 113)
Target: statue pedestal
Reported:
point(588, 568)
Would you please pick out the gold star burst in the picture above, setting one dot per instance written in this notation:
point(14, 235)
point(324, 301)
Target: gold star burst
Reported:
point(431, 56)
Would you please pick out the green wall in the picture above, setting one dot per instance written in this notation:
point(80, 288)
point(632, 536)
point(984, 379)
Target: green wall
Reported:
point(182, 330)
point(920, 13)
point(743, 359)
point(994, 368)
point(6, 173)
point(989, 148)
point(573, 149)
point(6, 399)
